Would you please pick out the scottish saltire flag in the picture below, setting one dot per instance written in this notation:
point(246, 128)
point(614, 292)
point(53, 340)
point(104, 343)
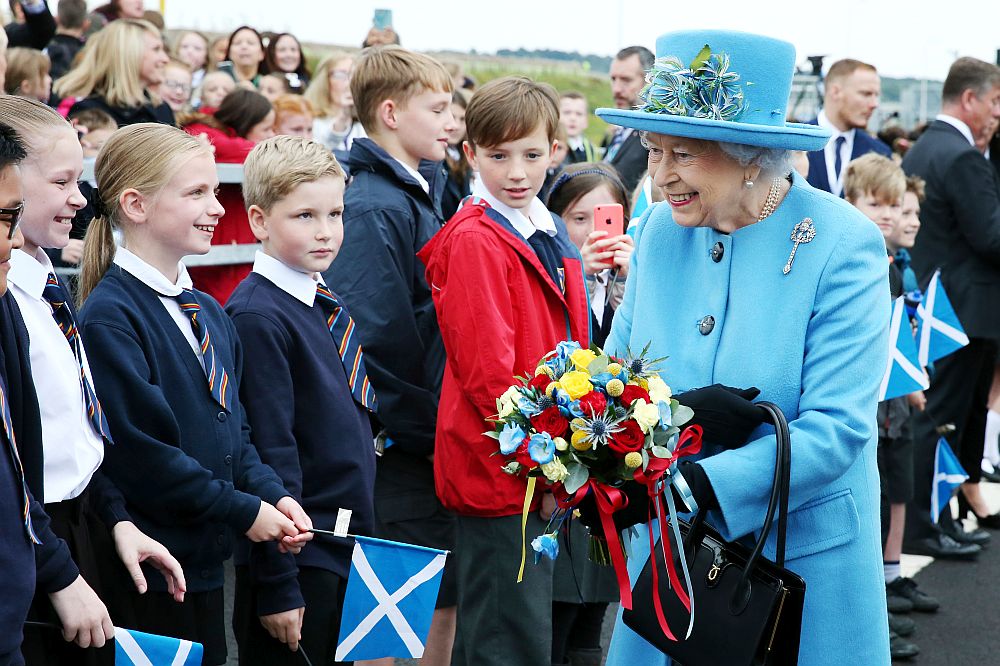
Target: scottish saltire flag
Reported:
point(391, 592)
point(948, 475)
point(903, 372)
point(134, 648)
point(643, 200)
point(939, 332)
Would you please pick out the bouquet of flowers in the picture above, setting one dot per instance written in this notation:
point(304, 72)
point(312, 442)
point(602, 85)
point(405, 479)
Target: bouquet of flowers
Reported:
point(587, 423)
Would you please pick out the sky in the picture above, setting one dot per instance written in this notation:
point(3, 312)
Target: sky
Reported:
point(911, 38)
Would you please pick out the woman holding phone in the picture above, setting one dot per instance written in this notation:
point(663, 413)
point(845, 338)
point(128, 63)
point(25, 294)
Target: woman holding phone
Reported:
point(606, 248)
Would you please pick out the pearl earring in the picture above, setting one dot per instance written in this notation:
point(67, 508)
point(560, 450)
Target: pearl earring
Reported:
point(748, 184)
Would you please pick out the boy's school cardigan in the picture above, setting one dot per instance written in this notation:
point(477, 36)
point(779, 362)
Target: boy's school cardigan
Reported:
point(185, 465)
point(306, 424)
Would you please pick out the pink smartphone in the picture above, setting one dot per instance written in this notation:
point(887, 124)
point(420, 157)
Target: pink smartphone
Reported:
point(609, 218)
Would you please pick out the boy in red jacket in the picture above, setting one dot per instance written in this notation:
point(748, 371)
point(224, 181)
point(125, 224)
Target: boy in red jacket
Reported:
point(508, 286)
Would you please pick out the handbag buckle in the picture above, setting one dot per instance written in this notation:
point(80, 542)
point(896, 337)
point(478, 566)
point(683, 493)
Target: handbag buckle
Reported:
point(719, 563)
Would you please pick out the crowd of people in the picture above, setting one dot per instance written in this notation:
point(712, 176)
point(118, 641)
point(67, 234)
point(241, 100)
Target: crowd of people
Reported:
point(417, 241)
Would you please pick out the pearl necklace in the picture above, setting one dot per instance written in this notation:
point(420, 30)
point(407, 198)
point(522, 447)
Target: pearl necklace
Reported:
point(772, 200)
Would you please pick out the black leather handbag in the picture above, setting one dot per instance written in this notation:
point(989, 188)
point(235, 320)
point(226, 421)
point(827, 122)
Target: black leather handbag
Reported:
point(748, 610)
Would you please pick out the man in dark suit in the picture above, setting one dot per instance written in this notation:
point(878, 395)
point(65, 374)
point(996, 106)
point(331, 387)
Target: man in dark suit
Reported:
point(960, 234)
point(623, 149)
point(850, 98)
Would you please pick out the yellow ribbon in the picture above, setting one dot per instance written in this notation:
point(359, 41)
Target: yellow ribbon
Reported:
point(528, 494)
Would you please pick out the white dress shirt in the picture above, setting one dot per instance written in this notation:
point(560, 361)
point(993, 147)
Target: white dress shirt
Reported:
point(830, 153)
point(300, 286)
point(599, 295)
point(416, 174)
point(536, 217)
point(158, 282)
point(71, 448)
point(959, 125)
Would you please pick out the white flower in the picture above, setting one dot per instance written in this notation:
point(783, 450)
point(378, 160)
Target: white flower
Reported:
point(555, 471)
point(658, 390)
point(646, 415)
point(507, 402)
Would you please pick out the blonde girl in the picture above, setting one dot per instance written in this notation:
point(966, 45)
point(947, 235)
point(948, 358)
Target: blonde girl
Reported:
point(191, 47)
point(28, 74)
point(73, 443)
point(166, 364)
point(336, 125)
point(121, 68)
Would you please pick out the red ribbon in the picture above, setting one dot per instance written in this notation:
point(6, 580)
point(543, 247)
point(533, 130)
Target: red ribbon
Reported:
point(688, 443)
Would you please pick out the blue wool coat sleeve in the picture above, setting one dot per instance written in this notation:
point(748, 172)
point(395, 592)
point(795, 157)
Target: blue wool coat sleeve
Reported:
point(147, 461)
point(269, 375)
point(374, 272)
point(845, 338)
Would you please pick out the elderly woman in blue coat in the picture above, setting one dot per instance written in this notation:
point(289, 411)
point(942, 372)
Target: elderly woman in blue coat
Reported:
point(747, 276)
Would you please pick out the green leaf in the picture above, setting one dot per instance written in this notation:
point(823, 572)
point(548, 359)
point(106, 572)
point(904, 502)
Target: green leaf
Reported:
point(645, 458)
point(598, 365)
point(681, 415)
point(660, 452)
point(701, 58)
point(578, 475)
point(660, 437)
point(492, 434)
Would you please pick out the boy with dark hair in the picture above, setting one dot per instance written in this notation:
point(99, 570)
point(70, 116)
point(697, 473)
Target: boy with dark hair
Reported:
point(392, 208)
point(508, 286)
point(72, 24)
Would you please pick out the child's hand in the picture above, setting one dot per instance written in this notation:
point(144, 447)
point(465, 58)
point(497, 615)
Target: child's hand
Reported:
point(285, 627)
point(73, 252)
point(83, 616)
point(917, 400)
point(271, 525)
point(623, 254)
point(134, 546)
point(288, 506)
point(601, 252)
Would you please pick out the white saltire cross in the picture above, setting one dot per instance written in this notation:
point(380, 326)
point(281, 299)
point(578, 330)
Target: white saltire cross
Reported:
point(930, 323)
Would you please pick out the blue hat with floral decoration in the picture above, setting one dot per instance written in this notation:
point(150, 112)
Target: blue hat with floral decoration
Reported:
point(720, 85)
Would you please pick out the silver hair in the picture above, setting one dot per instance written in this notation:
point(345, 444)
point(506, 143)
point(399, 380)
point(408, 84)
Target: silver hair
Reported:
point(771, 161)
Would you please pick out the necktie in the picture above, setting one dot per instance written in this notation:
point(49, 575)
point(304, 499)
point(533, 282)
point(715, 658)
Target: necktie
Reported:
point(56, 297)
point(218, 378)
point(8, 428)
point(616, 143)
point(341, 326)
point(837, 161)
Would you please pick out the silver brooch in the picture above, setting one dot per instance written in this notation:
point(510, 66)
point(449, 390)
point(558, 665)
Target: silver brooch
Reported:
point(803, 232)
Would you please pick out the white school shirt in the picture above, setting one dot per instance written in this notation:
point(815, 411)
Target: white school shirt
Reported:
point(71, 448)
point(416, 174)
point(158, 282)
point(538, 217)
point(830, 152)
point(300, 286)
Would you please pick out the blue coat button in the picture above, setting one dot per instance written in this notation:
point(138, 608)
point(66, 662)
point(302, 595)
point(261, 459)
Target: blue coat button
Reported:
point(718, 251)
point(706, 325)
point(221, 416)
point(229, 460)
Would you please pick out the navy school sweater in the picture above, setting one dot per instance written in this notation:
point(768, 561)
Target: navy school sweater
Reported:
point(307, 426)
point(22, 564)
point(186, 467)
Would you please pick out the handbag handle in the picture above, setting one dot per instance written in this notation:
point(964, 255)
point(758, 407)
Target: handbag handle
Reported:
point(777, 503)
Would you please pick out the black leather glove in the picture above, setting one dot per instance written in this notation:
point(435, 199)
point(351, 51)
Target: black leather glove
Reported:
point(636, 512)
point(726, 415)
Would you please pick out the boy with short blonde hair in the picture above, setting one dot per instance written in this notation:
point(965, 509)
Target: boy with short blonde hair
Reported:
point(574, 116)
point(316, 435)
point(874, 185)
point(393, 208)
point(508, 286)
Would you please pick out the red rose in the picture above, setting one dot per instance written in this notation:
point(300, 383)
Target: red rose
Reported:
point(633, 393)
point(629, 438)
point(522, 456)
point(593, 403)
point(550, 421)
point(540, 382)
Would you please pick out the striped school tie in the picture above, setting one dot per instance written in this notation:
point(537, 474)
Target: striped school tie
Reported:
point(56, 296)
point(8, 428)
point(218, 378)
point(341, 326)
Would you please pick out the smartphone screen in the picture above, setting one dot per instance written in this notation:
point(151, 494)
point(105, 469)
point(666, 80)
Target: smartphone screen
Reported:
point(382, 19)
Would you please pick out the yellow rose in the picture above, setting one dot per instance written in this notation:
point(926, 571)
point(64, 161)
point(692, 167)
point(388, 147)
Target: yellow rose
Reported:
point(658, 389)
point(576, 383)
point(646, 415)
point(561, 444)
point(614, 368)
point(582, 358)
point(555, 470)
point(614, 388)
point(580, 440)
point(632, 459)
